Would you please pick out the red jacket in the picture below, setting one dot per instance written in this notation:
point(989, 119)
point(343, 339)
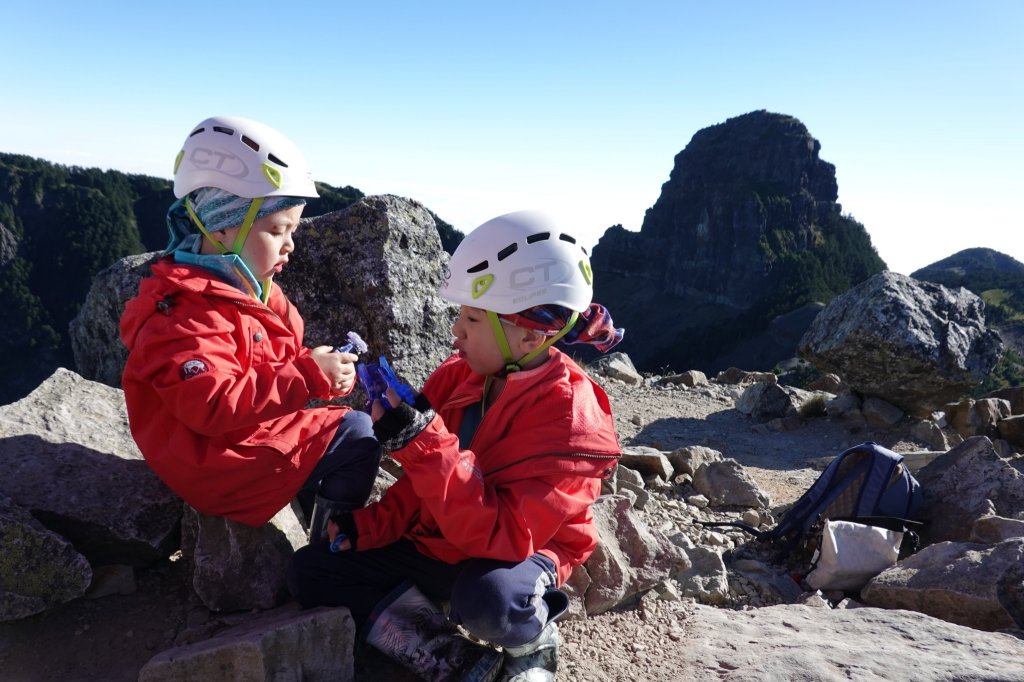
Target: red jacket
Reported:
point(525, 485)
point(216, 386)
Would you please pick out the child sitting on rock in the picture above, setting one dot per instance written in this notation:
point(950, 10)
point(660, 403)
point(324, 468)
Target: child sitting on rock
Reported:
point(503, 454)
point(217, 378)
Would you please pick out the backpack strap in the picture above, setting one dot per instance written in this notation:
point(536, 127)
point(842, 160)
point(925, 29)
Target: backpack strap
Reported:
point(883, 463)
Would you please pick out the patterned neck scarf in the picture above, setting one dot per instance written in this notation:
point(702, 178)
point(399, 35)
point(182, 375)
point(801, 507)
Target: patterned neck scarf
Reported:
point(594, 325)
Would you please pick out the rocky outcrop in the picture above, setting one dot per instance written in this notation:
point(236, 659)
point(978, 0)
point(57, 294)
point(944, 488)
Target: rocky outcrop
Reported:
point(788, 643)
point(373, 268)
point(315, 646)
point(957, 582)
point(8, 245)
point(704, 233)
point(234, 567)
point(95, 331)
point(749, 204)
point(239, 570)
point(966, 484)
point(914, 344)
point(67, 457)
point(58, 572)
point(629, 559)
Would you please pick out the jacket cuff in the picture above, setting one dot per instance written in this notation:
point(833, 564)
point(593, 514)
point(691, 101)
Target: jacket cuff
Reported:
point(399, 425)
point(317, 382)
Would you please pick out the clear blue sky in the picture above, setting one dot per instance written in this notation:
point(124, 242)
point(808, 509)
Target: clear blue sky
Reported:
point(575, 108)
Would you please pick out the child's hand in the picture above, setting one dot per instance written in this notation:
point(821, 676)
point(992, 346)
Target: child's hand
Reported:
point(332, 534)
point(377, 409)
point(396, 427)
point(339, 368)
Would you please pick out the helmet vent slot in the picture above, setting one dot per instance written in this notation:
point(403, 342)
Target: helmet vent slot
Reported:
point(250, 143)
point(482, 265)
point(567, 238)
point(197, 131)
point(224, 129)
point(539, 237)
point(276, 160)
point(507, 251)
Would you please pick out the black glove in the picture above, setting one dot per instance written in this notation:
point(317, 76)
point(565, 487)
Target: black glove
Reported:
point(347, 524)
point(402, 423)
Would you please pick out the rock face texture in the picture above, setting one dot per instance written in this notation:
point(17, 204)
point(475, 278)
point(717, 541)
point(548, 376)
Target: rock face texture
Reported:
point(375, 268)
point(745, 229)
point(914, 344)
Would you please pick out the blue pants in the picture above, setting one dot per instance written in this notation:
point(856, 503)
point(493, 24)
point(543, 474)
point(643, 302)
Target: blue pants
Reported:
point(505, 603)
point(348, 468)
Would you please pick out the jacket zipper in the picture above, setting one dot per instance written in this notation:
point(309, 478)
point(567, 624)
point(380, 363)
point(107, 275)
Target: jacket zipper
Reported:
point(245, 304)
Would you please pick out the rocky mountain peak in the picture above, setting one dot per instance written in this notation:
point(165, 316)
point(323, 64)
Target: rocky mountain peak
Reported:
point(747, 222)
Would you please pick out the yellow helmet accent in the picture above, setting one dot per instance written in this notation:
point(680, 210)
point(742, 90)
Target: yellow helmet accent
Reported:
point(177, 161)
point(588, 273)
point(481, 284)
point(273, 175)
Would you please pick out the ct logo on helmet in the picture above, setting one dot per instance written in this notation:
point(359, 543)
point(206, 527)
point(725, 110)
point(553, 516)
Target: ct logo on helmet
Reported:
point(219, 160)
point(548, 271)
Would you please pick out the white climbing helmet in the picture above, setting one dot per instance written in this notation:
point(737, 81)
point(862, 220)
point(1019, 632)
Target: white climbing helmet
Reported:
point(518, 261)
point(244, 157)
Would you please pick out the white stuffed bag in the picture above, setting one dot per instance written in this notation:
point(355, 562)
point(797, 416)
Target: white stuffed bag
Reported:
point(851, 554)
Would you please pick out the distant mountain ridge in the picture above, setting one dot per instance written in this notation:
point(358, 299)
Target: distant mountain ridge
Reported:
point(747, 228)
point(969, 264)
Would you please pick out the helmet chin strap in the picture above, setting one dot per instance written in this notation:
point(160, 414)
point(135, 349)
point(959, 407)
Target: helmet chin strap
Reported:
point(513, 365)
point(243, 234)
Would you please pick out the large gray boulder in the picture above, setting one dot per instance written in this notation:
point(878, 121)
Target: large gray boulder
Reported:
point(957, 582)
point(966, 484)
point(38, 568)
point(95, 331)
point(801, 644)
point(727, 484)
point(915, 344)
point(313, 646)
point(67, 456)
point(234, 567)
point(373, 268)
point(629, 559)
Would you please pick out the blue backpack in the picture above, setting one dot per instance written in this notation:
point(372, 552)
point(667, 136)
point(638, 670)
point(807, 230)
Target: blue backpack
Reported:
point(868, 483)
point(865, 482)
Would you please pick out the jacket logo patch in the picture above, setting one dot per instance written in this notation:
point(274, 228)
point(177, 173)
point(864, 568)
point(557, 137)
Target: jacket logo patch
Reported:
point(473, 470)
point(193, 368)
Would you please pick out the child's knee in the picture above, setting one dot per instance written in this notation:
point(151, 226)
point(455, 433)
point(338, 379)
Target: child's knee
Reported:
point(357, 439)
point(484, 612)
point(358, 425)
point(506, 604)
